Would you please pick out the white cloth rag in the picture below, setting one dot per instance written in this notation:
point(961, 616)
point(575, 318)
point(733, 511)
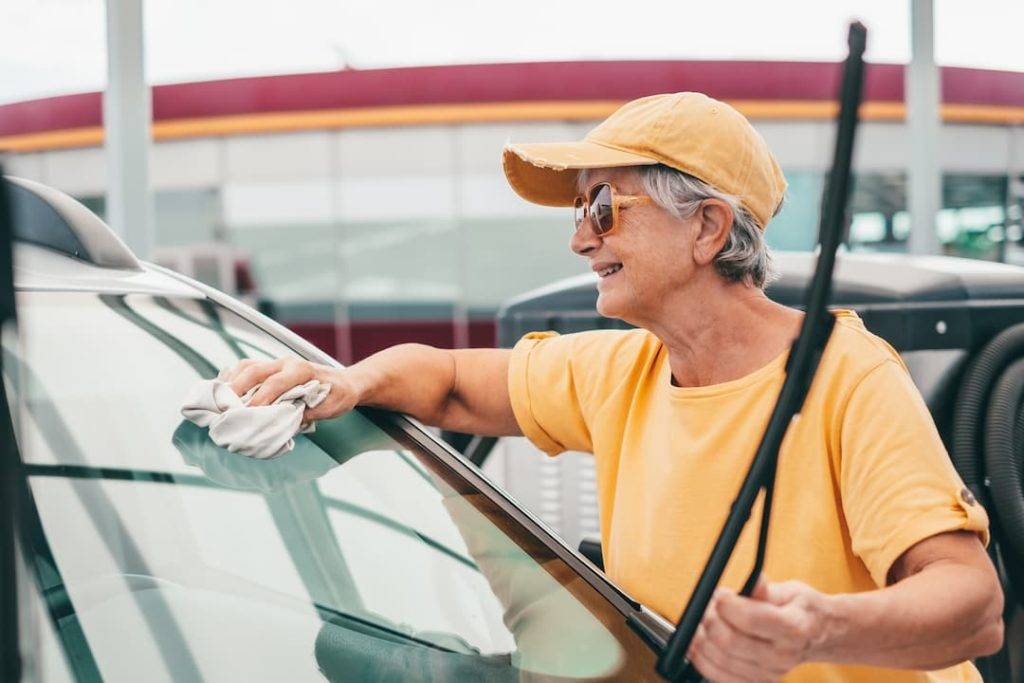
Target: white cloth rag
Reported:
point(261, 432)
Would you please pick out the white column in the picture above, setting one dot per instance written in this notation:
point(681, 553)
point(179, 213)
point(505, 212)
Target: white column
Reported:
point(342, 327)
point(923, 98)
point(127, 111)
point(460, 312)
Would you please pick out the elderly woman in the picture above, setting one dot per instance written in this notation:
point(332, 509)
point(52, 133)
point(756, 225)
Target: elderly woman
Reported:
point(875, 568)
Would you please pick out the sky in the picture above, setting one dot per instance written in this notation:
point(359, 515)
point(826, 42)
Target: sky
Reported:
point(51, 47)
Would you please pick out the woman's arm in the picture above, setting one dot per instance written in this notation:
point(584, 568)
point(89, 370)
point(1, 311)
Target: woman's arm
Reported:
point(464, 390)
point(943, 606)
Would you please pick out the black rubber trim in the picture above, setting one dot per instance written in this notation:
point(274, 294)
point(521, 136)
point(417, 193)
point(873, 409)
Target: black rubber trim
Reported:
point(1004, 463)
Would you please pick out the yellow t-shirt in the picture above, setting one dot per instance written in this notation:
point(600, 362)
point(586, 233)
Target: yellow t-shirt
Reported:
point(862, 474)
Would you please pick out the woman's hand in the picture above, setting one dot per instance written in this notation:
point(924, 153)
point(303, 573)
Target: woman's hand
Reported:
point(759, 638)
point(278, 376)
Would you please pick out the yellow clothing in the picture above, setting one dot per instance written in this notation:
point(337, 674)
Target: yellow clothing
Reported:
point(862, 474)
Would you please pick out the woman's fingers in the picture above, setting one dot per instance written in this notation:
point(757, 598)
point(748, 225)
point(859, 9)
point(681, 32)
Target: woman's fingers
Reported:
point(746, 654)
point(278, 376)
point(720, 635)
point(720, 667)
point(229, 373)
point(291, 373)
point(243, 378)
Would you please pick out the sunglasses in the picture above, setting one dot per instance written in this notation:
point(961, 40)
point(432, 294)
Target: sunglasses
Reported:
point(602, 204)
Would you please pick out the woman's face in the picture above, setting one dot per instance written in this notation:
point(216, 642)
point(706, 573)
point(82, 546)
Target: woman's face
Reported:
point(653, 248)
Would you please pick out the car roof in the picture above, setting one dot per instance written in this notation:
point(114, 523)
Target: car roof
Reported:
point(40, 268)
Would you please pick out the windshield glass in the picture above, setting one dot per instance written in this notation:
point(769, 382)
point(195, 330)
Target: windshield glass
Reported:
point(357, 555)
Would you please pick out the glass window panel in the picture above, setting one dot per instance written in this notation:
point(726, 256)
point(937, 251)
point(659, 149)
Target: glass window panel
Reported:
point(981, 217)
point(510, 256)
point(296, 202)
point(184, 217)
point(946, 225)
point(292, 262)
point(397, 199)
point(44, 655)
point(867, 227)
point(901, 225)
point(796, 226)
point(392, 263)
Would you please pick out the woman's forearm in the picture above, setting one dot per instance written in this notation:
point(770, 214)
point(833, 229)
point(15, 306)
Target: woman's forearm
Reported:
point(464, 390)
point(409, 378)
point(917, 623)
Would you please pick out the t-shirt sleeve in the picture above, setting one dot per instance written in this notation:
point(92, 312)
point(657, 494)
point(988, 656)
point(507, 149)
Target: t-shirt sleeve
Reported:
point(542, 387)
point(897, 482)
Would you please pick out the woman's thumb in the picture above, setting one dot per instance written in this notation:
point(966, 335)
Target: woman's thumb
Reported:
point(760, 591)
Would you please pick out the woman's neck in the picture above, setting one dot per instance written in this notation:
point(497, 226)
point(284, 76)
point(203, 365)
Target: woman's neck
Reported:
point(722, 333)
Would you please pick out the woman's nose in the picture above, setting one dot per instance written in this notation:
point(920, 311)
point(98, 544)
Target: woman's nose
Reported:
point(584, 239)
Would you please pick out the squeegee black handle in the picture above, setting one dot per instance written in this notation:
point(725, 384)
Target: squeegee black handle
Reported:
point(673, 664)
point(790, 400)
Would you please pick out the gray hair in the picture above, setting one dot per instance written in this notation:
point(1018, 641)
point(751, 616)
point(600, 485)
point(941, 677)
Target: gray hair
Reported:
point(745, 257)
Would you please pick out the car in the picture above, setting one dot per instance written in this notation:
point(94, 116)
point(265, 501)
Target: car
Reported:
point(370, 551)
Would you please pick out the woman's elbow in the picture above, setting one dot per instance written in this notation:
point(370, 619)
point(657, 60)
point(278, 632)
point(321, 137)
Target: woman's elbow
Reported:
point(989, 636)
point(992, 639)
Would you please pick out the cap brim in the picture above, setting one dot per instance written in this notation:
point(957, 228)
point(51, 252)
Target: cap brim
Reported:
point(545, 172)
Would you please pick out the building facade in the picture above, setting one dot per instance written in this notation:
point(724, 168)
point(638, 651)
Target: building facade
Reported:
point(368, 208)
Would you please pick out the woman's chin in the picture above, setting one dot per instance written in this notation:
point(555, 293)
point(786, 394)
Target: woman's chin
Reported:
point(608, 307)
point(618, 305)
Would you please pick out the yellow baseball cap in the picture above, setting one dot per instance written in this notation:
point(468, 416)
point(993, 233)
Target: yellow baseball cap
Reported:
point(688, 131)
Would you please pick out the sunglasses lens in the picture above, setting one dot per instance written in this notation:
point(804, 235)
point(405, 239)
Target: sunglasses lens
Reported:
point(579, 212)
point(601, 207)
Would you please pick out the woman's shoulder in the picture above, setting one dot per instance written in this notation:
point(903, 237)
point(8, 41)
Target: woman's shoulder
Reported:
point(610, 342)
point(855, 333)
point(595, 358)
point(636, 340)
point(596, 364)
point(855, 350)
point(615, 351)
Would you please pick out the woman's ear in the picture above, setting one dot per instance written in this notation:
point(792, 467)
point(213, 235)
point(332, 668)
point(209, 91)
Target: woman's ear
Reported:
point(715, 218)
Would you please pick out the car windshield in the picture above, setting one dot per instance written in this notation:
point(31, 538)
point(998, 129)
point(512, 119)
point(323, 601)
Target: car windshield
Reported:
point(358, 555)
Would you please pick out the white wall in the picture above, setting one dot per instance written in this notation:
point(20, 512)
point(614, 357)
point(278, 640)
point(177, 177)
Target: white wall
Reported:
point(471, 153)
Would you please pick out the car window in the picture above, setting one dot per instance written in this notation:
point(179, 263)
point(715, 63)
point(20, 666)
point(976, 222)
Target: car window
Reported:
point(357, 555)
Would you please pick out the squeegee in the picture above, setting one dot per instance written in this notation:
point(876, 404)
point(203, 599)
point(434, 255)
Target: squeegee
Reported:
point(804, 356)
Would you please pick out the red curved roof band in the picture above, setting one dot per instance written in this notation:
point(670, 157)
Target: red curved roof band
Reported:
point(502, 83)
